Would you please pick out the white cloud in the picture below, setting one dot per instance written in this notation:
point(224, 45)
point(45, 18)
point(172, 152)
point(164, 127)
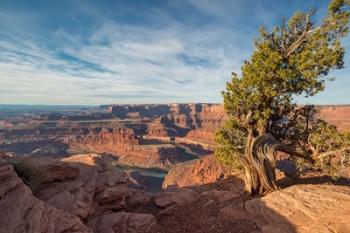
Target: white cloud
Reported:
point(142, 64)
point(126, 63)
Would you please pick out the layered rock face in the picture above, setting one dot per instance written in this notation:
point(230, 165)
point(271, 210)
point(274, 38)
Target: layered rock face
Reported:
point(157, 144)
point(338, 115)
point(208, 116)
point(130, 148)
point(142, 135)
point(200, 121)
point(185, 116)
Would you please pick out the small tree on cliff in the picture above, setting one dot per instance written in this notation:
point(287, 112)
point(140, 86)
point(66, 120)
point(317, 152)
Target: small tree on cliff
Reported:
point(293, 59)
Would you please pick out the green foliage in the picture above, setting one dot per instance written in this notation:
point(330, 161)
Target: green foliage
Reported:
point(294, 59)
point(231, 143)
point(331, 148)
point(325, 137)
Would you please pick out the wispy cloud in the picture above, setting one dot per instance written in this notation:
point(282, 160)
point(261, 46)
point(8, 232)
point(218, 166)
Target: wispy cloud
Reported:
point(119, 63)
point(124, 60)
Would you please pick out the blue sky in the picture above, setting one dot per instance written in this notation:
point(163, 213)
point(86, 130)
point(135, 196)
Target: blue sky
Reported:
point(133, 51)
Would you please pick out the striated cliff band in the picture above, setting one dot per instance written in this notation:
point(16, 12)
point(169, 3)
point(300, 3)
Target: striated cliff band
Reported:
point(152, 135)
point(149, 168)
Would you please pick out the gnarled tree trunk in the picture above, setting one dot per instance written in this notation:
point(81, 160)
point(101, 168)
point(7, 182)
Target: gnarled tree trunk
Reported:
point(260, 162)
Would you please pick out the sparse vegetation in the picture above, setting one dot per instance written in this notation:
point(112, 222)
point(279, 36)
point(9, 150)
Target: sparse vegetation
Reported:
point(294, 59)
point(330, 148)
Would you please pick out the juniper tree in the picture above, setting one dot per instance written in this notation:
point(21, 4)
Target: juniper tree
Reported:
point(293, 59)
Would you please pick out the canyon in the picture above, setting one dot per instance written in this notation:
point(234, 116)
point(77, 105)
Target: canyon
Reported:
point(148, 141)
point(154, 135)
point(141, 135)
point(148, 168)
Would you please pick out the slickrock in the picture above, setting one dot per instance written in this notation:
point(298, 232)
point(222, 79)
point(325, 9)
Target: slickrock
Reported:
point(303, 208)
point(203, 171)
point(124, 222)
point(23, 212)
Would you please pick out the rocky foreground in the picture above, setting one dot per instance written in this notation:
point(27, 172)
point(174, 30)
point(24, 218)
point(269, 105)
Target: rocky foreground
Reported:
point(86, 193)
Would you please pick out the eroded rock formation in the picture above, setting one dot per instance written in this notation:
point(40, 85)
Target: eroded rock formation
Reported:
point(338, 115)
point(143, 135)
point(21, 211)
point(69, 192)
point(203, 171)
point(87, 193)
point(130, 148)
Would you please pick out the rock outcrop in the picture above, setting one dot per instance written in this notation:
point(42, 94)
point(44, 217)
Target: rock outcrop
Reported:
point(87, 193)
point(21, 211)
point(203, 171)
point(82, 188)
